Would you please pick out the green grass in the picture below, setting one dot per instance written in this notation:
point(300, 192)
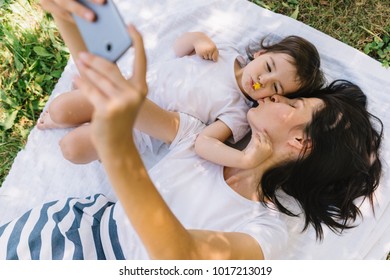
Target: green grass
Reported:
point(32, 59)
point(32, 55)
point(362, 24)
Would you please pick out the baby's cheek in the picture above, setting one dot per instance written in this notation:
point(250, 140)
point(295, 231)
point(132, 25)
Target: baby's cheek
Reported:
point(263, 93)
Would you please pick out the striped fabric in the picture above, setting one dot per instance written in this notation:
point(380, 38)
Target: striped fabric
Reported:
point(74, 226)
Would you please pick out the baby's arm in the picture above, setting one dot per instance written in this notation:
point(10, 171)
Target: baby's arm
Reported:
point(209, 145)
point(196, 42)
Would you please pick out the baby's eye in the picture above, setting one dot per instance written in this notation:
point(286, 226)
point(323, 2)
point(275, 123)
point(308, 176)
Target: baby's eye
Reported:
point(268, 67)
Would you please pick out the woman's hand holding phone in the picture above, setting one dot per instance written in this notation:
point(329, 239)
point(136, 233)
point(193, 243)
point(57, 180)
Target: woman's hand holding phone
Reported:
point(65, 8)
point(99, 23)
point(106, 36)
point(116, 100)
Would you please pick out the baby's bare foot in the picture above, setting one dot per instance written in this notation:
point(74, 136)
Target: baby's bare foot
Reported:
point(45, 121)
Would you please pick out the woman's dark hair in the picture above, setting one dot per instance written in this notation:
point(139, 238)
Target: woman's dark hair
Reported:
point(342, 164)
point(306, 59)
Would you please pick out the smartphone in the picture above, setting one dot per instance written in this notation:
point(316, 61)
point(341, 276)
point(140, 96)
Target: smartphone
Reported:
point(106, 36)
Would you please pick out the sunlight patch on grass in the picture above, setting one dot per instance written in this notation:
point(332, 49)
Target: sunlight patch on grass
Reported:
point(26, 18)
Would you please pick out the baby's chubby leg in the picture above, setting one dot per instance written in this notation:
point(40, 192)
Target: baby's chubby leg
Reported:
point(67, 110)
point(77, 146)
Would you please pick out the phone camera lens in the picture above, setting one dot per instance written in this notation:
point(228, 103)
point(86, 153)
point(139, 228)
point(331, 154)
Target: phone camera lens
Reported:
point(109, 47)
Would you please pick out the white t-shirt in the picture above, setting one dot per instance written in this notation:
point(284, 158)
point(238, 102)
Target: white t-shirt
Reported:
point(96, 228)
point(201, 88)
point(196, 192)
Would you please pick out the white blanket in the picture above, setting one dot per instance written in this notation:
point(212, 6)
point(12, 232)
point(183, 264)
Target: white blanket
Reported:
point(40, 174)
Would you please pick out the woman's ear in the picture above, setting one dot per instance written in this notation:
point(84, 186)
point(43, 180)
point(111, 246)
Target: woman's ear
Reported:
point(300, 143)
point(258, 53)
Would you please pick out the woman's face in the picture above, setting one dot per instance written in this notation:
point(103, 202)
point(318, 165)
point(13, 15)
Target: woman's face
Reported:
point(275, 73)
point(278, 116)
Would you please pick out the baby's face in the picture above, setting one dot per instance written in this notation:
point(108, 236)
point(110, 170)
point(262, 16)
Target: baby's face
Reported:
point(268, 74)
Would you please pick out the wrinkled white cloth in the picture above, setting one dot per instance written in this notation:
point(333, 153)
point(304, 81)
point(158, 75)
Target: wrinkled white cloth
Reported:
point(40, 174)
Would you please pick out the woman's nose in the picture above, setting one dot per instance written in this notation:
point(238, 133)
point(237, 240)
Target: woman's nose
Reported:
point(275, 98)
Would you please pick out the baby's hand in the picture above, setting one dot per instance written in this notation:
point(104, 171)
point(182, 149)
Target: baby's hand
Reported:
point(206, 49)
point(258, 150)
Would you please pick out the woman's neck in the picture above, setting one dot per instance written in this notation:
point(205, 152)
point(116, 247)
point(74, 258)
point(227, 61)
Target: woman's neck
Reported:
point(244, 181)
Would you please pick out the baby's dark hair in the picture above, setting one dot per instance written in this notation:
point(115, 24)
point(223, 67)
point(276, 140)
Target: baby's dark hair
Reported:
point(306, 59)
point(342, 164)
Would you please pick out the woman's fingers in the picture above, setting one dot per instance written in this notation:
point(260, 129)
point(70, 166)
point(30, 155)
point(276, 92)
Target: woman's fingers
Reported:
point(263, 137)
point(103, 80)
point(90, 91)
point(74, 7)
point(111, 71)
point(65, 8)
point(51, 7)
point(100, 73)
point(139, 71)
point(101, 66)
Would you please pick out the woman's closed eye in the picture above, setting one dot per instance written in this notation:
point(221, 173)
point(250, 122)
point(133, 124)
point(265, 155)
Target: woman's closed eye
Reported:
point(295, 103)
point(275, 89)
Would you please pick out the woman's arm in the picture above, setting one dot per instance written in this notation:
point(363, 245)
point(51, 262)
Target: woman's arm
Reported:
point(116, 102)
point(209, 145)
point(71, 36)
point(196, 42)
point(62, 15)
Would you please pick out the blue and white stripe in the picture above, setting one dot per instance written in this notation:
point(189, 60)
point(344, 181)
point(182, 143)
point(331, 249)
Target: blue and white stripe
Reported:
point(63, 229)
